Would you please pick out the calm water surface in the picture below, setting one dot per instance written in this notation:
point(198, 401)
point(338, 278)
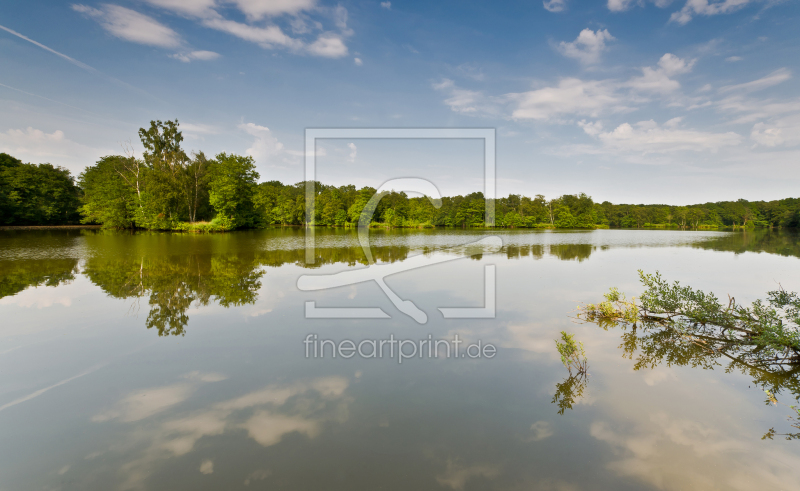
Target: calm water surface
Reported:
point(166, 361)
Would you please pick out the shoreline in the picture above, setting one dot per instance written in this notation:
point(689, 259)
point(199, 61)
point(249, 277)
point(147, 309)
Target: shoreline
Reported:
point(47, 227)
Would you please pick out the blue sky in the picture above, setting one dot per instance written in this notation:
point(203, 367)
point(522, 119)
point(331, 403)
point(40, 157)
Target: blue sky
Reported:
point(647, 102)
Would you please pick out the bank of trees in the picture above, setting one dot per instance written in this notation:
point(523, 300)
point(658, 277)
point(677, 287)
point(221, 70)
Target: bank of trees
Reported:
point(168, 189)
point(36, 194)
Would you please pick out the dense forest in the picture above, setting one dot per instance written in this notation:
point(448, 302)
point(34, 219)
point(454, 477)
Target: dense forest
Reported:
point(168, 189)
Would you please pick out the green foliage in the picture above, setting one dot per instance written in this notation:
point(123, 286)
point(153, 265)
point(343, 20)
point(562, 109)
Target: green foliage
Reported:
point(173, 284)
point(765, 332)
point(794, 419)
point(572, 354)
point(569, 391)
point(232, 188)
point(773, 327)
point(108, 199)
point(166, 188)
point(678, 325)
point(36, 194)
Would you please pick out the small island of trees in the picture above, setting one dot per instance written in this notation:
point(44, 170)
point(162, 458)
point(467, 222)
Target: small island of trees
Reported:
point(168, 189)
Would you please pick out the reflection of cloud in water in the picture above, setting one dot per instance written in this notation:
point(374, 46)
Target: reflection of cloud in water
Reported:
point(258, 475)
point(657, 375)
point(268, 428)
point(147, 402)
point(39, 297)
point(457, 474)
point(280, 410)
point(143, 403)
point(540, 430)
point(681, 454)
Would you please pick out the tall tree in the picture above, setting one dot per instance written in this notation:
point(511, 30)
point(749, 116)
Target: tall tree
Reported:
point(232, 187)
point(111, 192)
point(167, 187)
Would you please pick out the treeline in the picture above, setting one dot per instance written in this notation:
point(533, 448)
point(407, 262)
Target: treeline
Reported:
point(167, 189)
point(36, 194)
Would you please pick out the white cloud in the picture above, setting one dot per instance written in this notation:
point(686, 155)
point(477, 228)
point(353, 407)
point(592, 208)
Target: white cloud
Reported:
point(465, 101)
point(784, 131)
point(386, 5)
point(329, 45)
point(131, 25)
point(648, 137)
point(196, 55)
point(622, 5)
point(36, 146)
point(353, 152)
point(570, 96)
point(358, 61)
point(591, 128)
point(774, 78)
point(265, 147)
point(587, 47)
point(270, 36)
point(731, 59)
point(755, 109)
point(259, 9)
point(555, 5)
point(659, 79)
point(186, 7)
point(266, 37)
point(704, 7)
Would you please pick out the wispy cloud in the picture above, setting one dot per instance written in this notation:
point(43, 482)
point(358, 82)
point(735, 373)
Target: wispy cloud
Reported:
point(353, 152)
point(774, 78)
point(261, 29)
point(571, 96)
point(196, 55)
point(555, 5)
point(704, 7)
point(131, 25)
point(649, 137)
point(623, 5)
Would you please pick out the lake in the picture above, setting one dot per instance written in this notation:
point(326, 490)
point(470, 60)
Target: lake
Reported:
point(169, 361)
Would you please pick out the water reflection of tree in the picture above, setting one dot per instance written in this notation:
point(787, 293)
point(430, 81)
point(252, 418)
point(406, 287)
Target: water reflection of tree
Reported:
point(569, 391)
point(568, 252)
point(649, 344)
point(771, 241)
point(17, 275)
point(175, 283)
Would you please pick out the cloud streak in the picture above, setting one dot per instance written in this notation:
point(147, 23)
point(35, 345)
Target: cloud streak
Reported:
point(132, 26)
